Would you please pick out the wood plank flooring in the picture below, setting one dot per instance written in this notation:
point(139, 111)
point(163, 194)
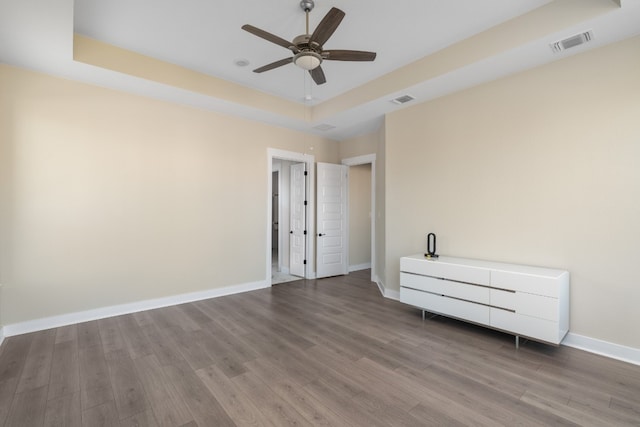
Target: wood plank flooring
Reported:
point(328, 352)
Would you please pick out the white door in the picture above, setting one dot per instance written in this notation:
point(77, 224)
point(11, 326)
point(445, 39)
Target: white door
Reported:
point(298, 220)
point(275, 209)
point(332, 240)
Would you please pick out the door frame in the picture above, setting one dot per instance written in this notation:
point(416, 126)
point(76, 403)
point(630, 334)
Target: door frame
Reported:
point(309, 159)
point(364, 160)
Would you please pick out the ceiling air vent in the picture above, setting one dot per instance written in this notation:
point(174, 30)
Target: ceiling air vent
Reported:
point(402, 99)
point(324, 127)
point(572, 41)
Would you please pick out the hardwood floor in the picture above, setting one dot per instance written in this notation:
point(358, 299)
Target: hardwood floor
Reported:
point(329, 352)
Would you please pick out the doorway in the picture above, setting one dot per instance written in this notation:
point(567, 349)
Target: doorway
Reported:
point(288, 221)
point(279, 210)
point(360, 214)
point(368, 159)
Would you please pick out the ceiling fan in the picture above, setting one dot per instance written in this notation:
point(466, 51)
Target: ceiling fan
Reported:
point(308, 52)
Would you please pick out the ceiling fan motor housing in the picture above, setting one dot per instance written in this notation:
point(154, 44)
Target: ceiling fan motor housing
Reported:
point(302, 42)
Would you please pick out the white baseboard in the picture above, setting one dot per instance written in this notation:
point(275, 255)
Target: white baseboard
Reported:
point(394, 295)
point(387, 293)
point(591, 345)
point(1, 335)
point(134, 307)
point(603, 348)
point(359, 267)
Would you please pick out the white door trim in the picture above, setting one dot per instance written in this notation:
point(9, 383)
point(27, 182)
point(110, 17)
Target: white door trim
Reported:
point(363, 160)
point(274, 153)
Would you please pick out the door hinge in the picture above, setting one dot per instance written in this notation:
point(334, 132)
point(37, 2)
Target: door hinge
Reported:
point(305, 173)
point(304, 262)
point(305, 232)
point(305, 203)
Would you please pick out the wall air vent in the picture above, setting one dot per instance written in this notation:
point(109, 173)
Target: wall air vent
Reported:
point(324, 127)
point(573, 41)
point(402, 99)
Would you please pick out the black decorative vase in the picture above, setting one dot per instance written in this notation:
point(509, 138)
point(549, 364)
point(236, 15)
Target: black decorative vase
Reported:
point(431, 246)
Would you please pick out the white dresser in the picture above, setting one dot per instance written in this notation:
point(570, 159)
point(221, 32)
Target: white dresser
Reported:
point(526, 301)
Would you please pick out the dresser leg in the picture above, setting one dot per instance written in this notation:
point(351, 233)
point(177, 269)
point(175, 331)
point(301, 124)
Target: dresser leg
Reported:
point(517, 342)
point(423, 315)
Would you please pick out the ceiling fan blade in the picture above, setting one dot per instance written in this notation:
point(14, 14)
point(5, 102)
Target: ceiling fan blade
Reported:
point(318, 75)
point(327, 26)
point(273, 65)
point(270, 37)
point(348, 55)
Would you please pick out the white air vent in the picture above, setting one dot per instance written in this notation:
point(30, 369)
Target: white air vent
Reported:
point(402, 99)
point(572, 41)
point(324, 127)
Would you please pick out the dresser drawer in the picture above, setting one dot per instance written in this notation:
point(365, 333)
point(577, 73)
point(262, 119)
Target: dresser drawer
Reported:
point(502, 299)
point(527, 304)
point(459, 290)
point(440, 269)
point(519, 324)
point(547, 286)
point(444, 305)
point(537, 306)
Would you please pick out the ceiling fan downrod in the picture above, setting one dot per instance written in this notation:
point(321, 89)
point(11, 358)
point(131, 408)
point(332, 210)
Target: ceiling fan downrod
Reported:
point(307, 6)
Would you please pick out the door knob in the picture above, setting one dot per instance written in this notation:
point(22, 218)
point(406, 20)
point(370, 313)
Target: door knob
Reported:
point(320, 234)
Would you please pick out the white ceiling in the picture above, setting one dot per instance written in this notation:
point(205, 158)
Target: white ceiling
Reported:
point(205, 36)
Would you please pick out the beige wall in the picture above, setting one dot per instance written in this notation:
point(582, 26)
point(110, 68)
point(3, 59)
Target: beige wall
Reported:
point(360, 145)
point(359, 215)
point(110, 198)
point(539, 168)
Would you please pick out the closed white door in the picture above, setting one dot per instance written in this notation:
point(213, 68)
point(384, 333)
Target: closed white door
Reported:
point(332, 239)
point(298, 220)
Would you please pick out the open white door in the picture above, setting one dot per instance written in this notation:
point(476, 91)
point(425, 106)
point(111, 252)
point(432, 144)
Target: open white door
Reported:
point(298, 220)
point(333, 235)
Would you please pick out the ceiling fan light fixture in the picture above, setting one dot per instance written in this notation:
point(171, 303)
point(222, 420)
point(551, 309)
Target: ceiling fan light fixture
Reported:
point(307, 60)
